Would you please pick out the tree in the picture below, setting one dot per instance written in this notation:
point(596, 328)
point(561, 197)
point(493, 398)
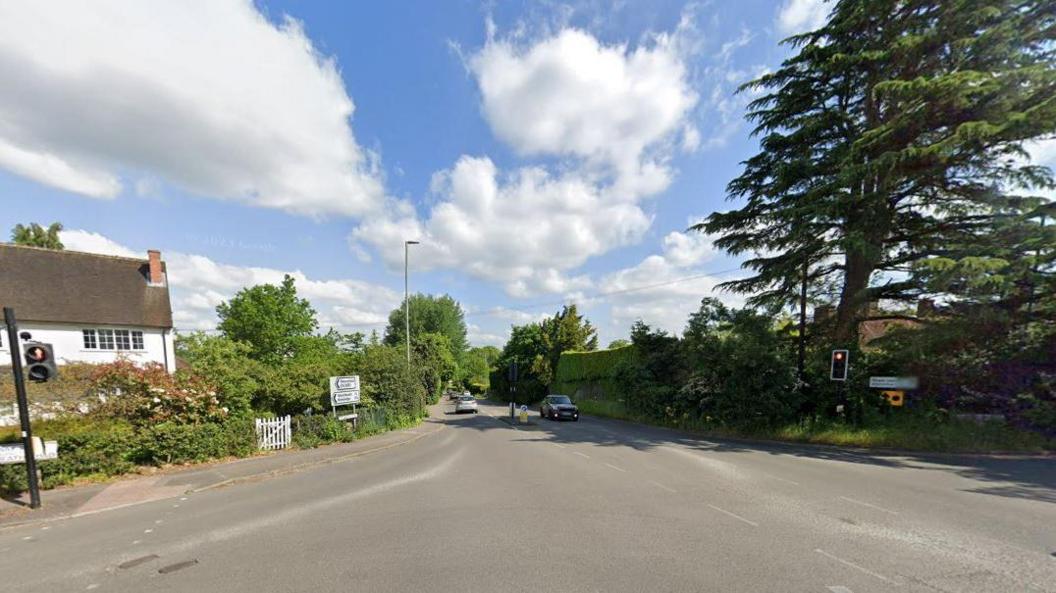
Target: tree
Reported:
point(429, 315)
point(268, 318)
point(476, 363)
point(35, 235)
point(434, 360)
point(225, 364)
point(566, 330)
point(890, 139)
point(619, 343)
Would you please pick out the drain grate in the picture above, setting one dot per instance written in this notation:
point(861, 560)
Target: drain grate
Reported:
point(137, 561)
point(177, 566)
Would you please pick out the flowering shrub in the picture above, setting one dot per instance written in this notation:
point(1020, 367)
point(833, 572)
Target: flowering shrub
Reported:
point(150, 395)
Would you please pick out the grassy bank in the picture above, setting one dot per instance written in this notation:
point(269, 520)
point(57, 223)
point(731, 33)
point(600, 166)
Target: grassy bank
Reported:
point(899, 432)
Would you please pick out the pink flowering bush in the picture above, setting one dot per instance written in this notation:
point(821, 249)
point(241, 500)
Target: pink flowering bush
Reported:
point(149, 395)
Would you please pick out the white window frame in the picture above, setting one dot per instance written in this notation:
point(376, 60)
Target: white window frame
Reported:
point(138, 342)
point(122, 340)
point(106, 339)
point(89, 340)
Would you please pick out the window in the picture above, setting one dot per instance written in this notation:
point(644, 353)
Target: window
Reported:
point(122, 339)
point(137, 340)
point(89, 339)
point(106, 339)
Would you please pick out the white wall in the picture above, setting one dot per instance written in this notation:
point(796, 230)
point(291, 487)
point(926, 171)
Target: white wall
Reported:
point(68, 343)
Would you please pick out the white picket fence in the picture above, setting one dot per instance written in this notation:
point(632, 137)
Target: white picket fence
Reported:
point(274, 433)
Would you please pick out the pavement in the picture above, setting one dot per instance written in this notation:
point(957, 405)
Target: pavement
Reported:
point(475, 504)
point(134, 489)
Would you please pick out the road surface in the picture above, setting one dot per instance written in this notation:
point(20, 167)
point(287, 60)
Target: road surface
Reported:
point(590, 506)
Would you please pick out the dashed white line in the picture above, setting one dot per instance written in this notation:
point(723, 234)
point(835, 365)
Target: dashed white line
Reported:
point(838, 589)
point(581, 454)
point(148, 531)
point(92, 586)
point(853, 565)
point(734, 515)
point(794, 483)
point(558, 445)
point(619, 469)
point(659, 485)
point(866, 504)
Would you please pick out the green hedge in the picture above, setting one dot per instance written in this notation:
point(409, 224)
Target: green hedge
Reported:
point(95, 448)
point(590, 375)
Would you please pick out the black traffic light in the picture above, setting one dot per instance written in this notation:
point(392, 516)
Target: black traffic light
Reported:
point(511, 373)
point(40, 362)
point(840, 360)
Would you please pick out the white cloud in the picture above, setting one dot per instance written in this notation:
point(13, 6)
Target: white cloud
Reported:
point(78, 240)
point(571, 95)
point(209, 96)
point(613, 115)
point(800, 16)
point(524, 230)
point(676, 282)
point(198, 284)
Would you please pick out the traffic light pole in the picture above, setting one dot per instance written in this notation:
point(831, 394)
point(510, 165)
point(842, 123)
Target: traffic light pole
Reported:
point(23, 406)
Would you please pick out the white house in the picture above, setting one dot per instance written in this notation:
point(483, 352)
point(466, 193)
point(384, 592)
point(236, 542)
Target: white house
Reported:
point(91, 308)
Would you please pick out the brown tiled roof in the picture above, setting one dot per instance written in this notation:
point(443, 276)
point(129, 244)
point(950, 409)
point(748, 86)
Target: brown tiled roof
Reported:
point(75, 287)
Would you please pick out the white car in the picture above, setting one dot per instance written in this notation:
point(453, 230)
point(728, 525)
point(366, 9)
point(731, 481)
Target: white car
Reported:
point(466, 403)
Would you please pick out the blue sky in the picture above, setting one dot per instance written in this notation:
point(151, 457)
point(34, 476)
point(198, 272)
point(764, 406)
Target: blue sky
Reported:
point(543, 152)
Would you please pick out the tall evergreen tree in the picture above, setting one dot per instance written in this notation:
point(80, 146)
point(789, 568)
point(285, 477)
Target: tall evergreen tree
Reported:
point(892, 135)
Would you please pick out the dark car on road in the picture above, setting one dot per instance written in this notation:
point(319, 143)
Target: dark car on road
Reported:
point(556, 407)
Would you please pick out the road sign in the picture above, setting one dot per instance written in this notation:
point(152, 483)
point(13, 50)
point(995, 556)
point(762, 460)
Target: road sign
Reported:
point(895, 398)
point(16, 453)
point(344, 390)
point(893, 382)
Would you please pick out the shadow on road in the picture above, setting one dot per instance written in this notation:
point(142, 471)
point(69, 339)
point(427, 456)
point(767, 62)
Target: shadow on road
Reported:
point(1030, 478)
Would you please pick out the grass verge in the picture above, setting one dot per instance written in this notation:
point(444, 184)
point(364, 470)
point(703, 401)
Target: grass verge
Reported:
point(899, 432)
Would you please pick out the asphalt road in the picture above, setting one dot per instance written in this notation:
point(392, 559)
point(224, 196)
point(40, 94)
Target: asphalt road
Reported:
point(590, 506)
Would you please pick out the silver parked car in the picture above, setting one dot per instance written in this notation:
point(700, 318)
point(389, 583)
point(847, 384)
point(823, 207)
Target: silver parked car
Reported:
point(466, 403)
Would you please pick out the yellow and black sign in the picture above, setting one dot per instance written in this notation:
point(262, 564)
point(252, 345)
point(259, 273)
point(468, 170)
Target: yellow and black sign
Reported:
point(895, 398)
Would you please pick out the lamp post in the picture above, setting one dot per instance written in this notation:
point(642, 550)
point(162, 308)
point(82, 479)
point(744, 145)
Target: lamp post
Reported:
point(407, 299)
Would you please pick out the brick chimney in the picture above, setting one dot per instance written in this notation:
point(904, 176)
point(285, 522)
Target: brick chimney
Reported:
point(157, 277)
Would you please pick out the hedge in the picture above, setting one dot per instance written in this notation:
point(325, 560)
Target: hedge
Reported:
point(590, 375)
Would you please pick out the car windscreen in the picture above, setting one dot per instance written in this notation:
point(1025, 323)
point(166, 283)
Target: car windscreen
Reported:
point(560, 399)
point(467, 398)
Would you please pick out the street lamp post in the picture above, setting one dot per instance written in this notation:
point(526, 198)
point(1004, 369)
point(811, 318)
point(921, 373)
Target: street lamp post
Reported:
point(407, 299)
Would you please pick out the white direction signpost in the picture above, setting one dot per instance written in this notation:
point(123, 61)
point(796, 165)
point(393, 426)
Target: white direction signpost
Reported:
point(345, 391)
point(893, 382)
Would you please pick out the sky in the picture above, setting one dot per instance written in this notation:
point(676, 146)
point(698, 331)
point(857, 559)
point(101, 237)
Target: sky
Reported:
point(541, 152)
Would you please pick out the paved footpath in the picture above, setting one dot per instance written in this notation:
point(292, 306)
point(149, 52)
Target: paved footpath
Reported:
point(136, 489)
point(474, 504)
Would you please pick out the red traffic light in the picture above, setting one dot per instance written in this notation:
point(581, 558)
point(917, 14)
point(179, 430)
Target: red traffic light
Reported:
point(839, 355)
point(36, 354)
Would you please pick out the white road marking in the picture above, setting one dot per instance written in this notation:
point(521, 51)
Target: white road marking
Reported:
point(853, 565)
point(558, 445)
point(581, 454)
point(183, 498)
point(158, 522)
point(148, 531)
point(28, 538)
point(92, 586)
point(45, 528)
point(734, 515)
point(619, 469)
point(839, 589)
point(136, 542)
point(866, 504)
point(175, 506)
point(787, 480)
point(659, 485)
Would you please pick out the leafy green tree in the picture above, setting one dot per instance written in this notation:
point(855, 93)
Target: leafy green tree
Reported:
point(475, 365)
point(892, 134)
point(429, 315)
point(566, 330)
point(225, 364)
point(268, 318)
point(618, 343)
point(434, 359)
point(35, 235)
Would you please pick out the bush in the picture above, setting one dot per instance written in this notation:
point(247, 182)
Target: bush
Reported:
point(150, 395)
point(226, 364)
point(319, 429)
point(169, 442)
